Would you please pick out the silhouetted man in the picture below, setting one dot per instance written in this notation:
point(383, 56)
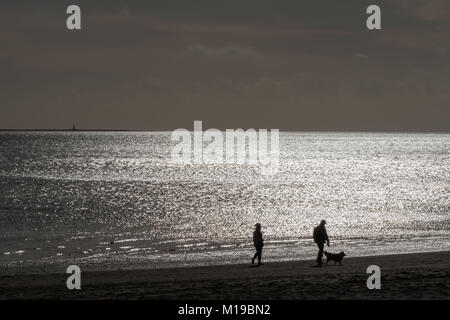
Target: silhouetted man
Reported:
point(320, 237)
point(258, 242)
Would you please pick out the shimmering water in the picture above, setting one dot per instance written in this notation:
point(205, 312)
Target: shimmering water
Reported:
point(114, 198)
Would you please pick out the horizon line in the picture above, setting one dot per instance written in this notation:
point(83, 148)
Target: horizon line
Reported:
point(168, 130)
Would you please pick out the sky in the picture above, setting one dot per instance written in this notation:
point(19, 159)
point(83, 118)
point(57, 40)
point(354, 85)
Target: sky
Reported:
point(288, 65)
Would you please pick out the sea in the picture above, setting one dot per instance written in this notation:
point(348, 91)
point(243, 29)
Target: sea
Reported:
point(115, 200)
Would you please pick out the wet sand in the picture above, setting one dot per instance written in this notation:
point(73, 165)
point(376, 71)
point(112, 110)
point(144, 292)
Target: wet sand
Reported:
point(407, 276)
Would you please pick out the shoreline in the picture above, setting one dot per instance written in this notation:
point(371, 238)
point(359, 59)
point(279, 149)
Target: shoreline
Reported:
point(31, 267)
point(403, 276)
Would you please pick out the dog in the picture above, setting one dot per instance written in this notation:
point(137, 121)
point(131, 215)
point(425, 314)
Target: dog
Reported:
point(336, 257)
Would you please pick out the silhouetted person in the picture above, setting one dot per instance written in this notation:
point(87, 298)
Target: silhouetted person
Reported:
point(320, 237)
point(258, 242)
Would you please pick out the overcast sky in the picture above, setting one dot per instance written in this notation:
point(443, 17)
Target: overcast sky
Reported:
point(160, 65)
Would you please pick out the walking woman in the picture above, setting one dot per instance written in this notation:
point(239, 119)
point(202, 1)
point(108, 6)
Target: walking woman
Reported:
point(258, 242)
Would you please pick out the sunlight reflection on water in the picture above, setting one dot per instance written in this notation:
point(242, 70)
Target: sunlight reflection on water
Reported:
point(380, 193)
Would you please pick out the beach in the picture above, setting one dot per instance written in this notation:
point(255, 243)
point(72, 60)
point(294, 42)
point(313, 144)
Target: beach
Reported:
point(404, 276)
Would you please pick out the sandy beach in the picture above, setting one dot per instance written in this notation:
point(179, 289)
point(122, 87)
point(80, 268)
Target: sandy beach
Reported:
point(407, 276)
